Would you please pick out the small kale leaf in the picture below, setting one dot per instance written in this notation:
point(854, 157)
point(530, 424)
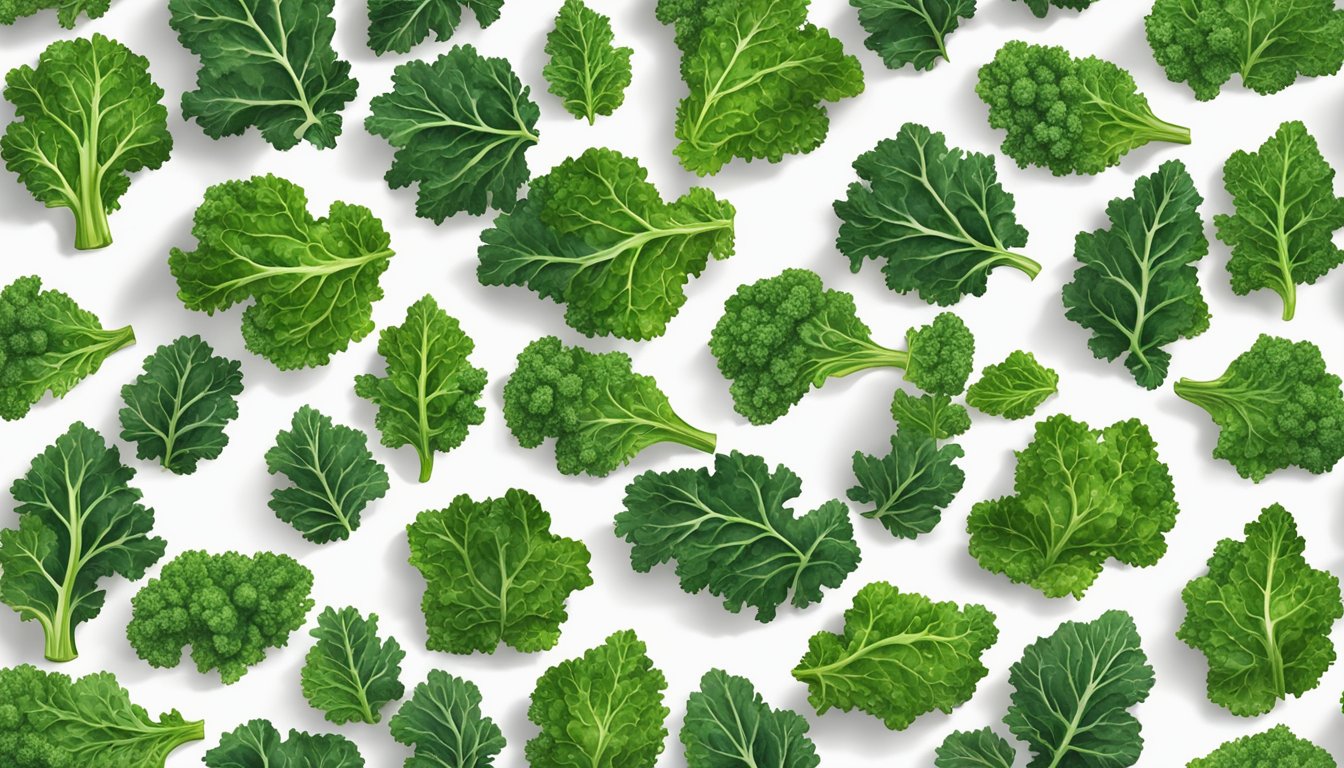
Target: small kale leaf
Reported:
point(586, 70)
point(350, 673)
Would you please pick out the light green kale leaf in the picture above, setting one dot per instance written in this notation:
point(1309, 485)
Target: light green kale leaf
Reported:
point(350, 673)
point(1013, 389)
point(177, 409)
point(729, 725)
point(1138, 287)
point(935, 416)
point(586, 70)
point(87, 117)
point(758, 73)
point(267, 64)
point(1262, 617)
point(732, 532)
point(461, 126)
point(314, 281)
point(1286, 215)
point(334, 476)
point(974, 749)
point(494, 573)
point(443, 722)
point(256, 744)
point(603, 709)
point(399, 25)
point(79, 521)
point(911, 31)
point(910, 487)
point(1278, 747)
point(1082, 496)
point(429, 396)
point(901, 655)
point(595, 235)
point(67, 11)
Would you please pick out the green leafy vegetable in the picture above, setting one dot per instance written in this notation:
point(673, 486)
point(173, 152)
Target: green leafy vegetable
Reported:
point(600, 412)
point(900, 656)
point(177, 409)
point(586, 70)
point(1013, 389)
point(1276, 406)
point(48, 720)
point(47, 343)
point(229, 608)
point(911, 31)
point(443, 722)
point(88, 116)
point(910, 487)
point(494, 573)
point(1138, 287)
point(67, 11)
point(350, 673)
point(400, 25)
point(934, 416)
point(265, 65)
point(729, 725)
point(461, 126)
point(732, 533)
point(594, 235)
point(79, 521)
point(975, 749)
point(1069, 115)
point(758, 73)
point(938, 215)
point(314, 281)
point(1286, 214)
point(256, 744)
point(1262, 617)
point(429, 397)
point(782, 336)
point(603, 709)
point(1082, 496)
point(334, 476)
point(1042, 7)
point(1278, 747)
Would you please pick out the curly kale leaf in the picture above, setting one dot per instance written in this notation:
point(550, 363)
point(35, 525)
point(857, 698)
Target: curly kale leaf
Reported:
point(1276, 406)
point(314, 281)
point(901, 655)
point(429, 397)
point(758, 73)
point(938, 215)
point(256, 744)
point(47, 343)
point(1286, 216)
point(400, 25)
point(1013, 389)
point(67, 11)
point(911, 31)
point(88, 116)
point(265, 64)
point(910, 487)
point(586, 70)
point(934, 416)
point(729, 724)
point(443, 721)
point(461, 126)
point(595, 235)
point(1262, 617)
point(1042, 7)
point(494, 573)
point(1277, 746)
point(1138, 287)
point(79, 521)
point(177, 409)
point(350, 673)
point(975, 749)
point(603, 709)
point(731, 532)
point(1269, 42)
point(1082, 496)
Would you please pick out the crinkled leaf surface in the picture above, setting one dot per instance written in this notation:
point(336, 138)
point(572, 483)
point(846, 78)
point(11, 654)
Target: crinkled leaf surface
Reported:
point(443, 721)
point(586, 70)
point(909, 488)
point(461, 126)
point(177, 409)
point(1262, 617)
point(1013, 389)
point(400, 25)
point(729, 725)
point(267, 64)
point(256, 744)
point(494, 573)
point(67, 11)
point(901, 655)
point(334, 476)
point(1082, 496)
point(975, 749)
point(350, 672)
point(1277, 746)
point(911, 31)
point(934, 416)
point(732, 532)
point(314, 281)
point(429, 395)
point(594, 235)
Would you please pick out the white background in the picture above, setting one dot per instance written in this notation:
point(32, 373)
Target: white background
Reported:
point(784, 220)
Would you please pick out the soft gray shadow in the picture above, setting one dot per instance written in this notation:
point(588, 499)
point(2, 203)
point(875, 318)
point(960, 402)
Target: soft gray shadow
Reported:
point(352, 35)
